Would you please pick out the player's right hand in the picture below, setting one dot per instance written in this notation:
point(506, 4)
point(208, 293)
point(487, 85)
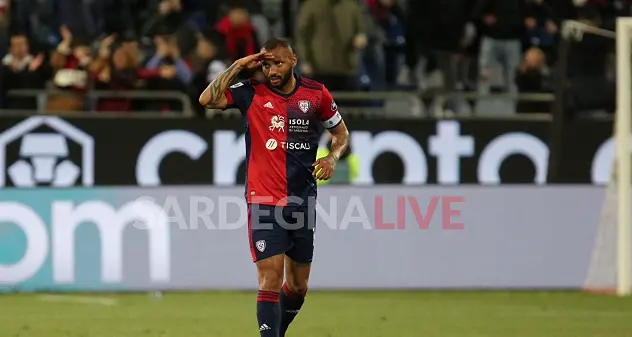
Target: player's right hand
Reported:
point(255, 60)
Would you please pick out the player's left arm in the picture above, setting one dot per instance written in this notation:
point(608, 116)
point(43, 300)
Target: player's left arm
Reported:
point(332, 120)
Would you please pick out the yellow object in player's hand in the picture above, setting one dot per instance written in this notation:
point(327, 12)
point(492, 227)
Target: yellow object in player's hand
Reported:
point(324, 168)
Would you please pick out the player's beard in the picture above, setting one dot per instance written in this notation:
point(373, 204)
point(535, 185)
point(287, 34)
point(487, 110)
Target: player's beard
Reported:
point(284, 81)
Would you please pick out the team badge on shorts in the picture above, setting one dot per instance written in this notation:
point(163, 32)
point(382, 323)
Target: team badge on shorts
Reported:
point(304, 106)
point(261, 245)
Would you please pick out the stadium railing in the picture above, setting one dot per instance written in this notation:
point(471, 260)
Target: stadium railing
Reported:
point(416, 104)
point(43, 95)
point(385, 104)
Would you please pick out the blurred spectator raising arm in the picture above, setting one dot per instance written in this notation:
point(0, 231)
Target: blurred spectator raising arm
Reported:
point(168, 62)
point(114, 69)
point(168, 71)
point(70, 63)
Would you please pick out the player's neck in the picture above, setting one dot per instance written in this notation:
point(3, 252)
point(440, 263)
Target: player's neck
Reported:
point(289, 87)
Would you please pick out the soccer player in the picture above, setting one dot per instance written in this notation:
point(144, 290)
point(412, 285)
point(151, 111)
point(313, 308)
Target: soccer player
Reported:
point(283, 116)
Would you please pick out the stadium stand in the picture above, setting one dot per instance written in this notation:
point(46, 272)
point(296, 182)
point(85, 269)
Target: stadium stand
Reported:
point(155, 46)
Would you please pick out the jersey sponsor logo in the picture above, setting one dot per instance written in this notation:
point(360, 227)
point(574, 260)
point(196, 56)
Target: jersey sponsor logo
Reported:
point(271, 144)
point(277, 123)
point(299, 121)
point(237, 85)
point(298, 125)
point(296, 146)
point(261, 245)
point(304, 106)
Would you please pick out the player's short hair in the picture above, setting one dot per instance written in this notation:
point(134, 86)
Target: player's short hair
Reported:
point(19, 34)
point(277, 42)
point(237, 4)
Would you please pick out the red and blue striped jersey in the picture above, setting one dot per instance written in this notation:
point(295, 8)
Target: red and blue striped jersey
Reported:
point(282, 137)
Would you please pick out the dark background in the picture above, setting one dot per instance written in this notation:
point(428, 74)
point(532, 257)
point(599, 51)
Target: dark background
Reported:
point(119, 141)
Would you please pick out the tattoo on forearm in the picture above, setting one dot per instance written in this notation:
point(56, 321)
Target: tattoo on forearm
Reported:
point(218, 86)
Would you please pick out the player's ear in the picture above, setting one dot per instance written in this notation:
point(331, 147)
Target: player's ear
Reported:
point(294, 60)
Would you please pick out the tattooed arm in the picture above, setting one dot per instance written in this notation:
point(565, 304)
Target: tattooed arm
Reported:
point(214, 96)
point(332, 121)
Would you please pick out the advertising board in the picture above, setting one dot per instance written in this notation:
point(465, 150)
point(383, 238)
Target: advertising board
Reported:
point(43, 151)
point(366, 238)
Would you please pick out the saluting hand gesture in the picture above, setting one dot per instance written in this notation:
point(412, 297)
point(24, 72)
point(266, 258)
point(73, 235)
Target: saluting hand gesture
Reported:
point(255, 60)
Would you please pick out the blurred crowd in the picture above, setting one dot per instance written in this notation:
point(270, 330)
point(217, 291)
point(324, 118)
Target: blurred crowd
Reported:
point(349, 45)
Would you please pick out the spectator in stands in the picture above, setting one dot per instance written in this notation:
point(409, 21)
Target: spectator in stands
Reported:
point(329, 36)
point(4, 25)
point(288, 9)
point(172, 18)
point(80, 16)
point(256, 15)
point(39, 20)
point(211, 11)
point(130, 43)
point(542, 28)
point(502, 31)
point(449, 47)
point(168, 17)
point(22, 70)
point(608, 10)
point(385, 33)
point(103, 57)
point(70, 63)
point(240, 37)
point(171, 71)
point(588, 67)
point(120, 16)
point(114, 69)
point(206, 64)
point(533, 76)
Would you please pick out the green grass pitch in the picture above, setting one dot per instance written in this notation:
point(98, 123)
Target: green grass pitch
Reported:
point(325, 314)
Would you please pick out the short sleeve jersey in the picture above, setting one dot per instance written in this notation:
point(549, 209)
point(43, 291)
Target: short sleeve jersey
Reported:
point(282, 136)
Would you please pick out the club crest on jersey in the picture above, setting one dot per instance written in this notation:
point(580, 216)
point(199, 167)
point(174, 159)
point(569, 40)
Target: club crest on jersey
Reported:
point(277, 123)
point(304, 106)
point(261, 245)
